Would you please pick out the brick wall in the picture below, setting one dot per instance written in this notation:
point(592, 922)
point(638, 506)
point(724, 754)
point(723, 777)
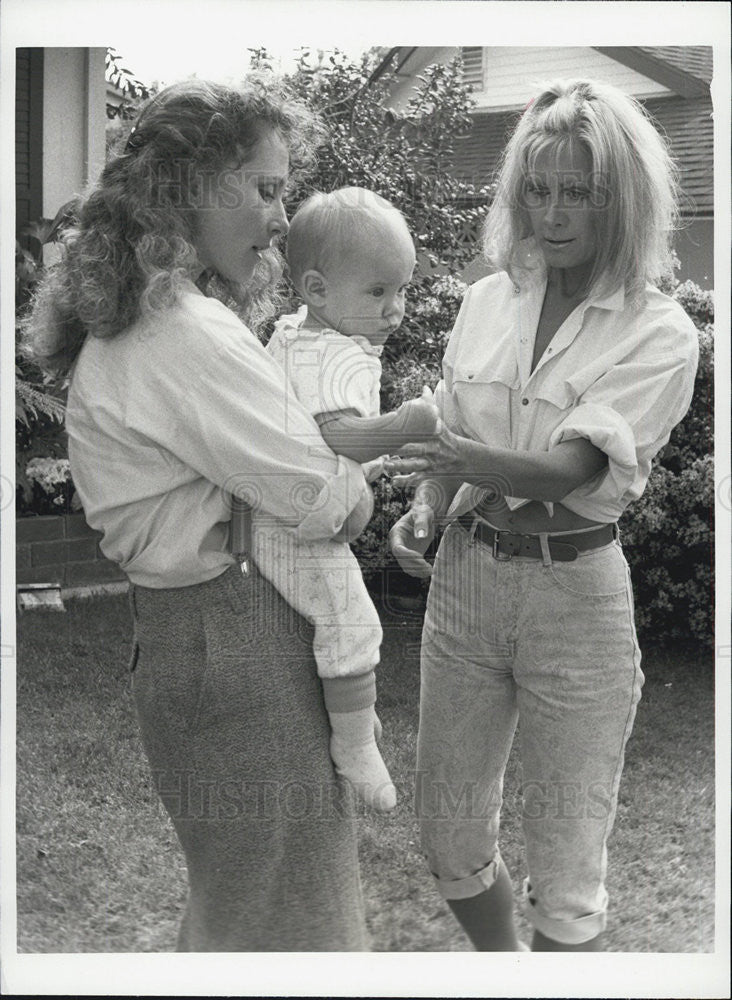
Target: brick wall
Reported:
point(61, 549)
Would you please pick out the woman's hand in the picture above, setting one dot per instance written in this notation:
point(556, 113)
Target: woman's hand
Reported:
point(410, 538)
point(442, 454)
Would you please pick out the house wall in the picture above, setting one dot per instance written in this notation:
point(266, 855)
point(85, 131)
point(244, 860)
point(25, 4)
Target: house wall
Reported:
point(74, 119)
point(28, 141)
point(512, 75)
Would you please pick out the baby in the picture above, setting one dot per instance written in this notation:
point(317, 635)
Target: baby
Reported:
point(351, 258)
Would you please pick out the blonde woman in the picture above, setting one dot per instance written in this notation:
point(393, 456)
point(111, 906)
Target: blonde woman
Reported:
point(564, 375)
point(174, 404)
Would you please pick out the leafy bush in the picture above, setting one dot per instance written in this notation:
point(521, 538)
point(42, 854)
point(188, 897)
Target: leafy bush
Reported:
point(49, 488)
point(404, 156)
point(667, 537)
point(39, 408)
point(668, 534)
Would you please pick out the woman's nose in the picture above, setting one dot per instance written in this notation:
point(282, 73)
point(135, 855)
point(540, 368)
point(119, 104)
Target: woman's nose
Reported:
point(554, 214)
point(278, 224)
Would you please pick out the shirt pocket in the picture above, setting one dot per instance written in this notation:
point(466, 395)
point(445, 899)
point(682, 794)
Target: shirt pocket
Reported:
point(483, 400)
point(547, 405)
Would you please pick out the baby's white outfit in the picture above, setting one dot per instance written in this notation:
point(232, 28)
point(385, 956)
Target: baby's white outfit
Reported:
point(322, 580)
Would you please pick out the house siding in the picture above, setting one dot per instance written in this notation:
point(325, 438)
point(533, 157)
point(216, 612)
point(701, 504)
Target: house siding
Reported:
point(28, 141)
point(512, 75)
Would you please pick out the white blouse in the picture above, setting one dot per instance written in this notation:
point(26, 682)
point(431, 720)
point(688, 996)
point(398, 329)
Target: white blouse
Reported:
point(619, 375)
point(169, 417)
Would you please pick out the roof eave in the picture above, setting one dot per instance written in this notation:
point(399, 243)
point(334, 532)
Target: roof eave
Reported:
point(683, 84)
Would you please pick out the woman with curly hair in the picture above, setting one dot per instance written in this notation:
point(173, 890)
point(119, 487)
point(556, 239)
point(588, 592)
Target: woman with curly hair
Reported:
point(174, 406)
point(565, 373)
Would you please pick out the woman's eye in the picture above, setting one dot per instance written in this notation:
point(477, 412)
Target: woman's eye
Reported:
point(377, 292)
point(535, 191)
point(267, 192)
point(575, 194)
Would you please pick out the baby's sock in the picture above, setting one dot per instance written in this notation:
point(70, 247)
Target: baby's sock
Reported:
point(357, 758)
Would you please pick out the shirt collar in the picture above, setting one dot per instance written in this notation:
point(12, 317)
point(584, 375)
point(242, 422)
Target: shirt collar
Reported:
point(533, 275)
point(614, 301)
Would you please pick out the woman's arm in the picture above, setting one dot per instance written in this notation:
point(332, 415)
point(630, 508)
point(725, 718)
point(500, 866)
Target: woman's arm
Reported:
point(208, 393)
point(533, 475)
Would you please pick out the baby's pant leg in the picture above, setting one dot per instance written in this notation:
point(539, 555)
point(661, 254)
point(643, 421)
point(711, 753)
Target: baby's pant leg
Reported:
point(331, 589)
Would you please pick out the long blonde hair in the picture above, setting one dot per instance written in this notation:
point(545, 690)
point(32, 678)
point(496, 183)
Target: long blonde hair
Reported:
point(634, 183)
point(132, 246)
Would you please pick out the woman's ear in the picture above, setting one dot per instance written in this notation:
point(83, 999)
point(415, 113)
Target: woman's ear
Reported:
point(313, 288)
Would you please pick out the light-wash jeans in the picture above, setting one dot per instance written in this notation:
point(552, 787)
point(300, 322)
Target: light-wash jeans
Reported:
point(552, 647)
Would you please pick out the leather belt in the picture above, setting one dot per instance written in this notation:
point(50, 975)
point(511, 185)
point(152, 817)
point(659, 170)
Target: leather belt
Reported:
point(563, 548)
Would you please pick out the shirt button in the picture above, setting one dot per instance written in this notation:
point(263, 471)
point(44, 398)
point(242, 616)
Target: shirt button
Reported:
point(470, 376)
point(524, 401)
point(548, 350)
point(516, 289)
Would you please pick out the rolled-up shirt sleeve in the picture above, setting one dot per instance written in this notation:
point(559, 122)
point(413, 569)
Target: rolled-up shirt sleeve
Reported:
point(629, 413)
point(213, 398)
point(446, 408)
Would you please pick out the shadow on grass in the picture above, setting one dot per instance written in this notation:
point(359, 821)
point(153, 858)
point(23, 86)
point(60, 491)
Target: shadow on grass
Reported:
point(98, 864)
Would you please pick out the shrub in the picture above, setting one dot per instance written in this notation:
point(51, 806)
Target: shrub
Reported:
point(49, 490)
point(668, 534)
point(404, 156)
point(39, 408)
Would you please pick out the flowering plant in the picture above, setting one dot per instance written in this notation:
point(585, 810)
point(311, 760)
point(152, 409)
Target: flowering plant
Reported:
point(49, 488)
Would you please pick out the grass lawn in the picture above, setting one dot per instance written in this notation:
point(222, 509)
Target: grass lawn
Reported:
point(98, 864)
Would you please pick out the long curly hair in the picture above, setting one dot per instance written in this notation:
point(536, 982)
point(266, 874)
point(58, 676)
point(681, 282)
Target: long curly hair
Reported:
point(634, 184)
point(132, 246)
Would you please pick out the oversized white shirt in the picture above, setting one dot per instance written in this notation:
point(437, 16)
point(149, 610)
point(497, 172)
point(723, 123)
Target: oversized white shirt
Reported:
point(169, 417)
point(620, 376)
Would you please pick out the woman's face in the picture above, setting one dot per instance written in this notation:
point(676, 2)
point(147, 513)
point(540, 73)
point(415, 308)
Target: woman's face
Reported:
point(240, 212)
point(557, 199)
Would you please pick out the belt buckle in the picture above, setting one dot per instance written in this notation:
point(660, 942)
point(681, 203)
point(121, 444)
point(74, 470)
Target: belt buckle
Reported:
point(500, 556)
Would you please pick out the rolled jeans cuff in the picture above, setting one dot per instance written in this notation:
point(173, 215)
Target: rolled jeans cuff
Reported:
point(349, 694)
point(471, 885)
point(576, 931)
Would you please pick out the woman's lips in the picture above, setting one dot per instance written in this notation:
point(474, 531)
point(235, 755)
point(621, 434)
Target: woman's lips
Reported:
point(558, 243)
